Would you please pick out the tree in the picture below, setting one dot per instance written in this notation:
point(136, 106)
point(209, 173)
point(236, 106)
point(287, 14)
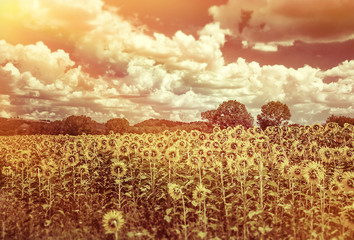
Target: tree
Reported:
point(229, 114)
point(273, 114)
point(117, 125)
point(77, 125)
point(340, 120)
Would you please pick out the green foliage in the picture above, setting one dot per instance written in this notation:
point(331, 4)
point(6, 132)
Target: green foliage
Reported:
point(273, 114)
point(61, 187)
point(341, 120)
point(229, 114)
point(117, 125)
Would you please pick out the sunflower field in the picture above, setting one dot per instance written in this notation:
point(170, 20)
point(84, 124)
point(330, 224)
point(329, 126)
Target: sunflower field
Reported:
point(280, 183)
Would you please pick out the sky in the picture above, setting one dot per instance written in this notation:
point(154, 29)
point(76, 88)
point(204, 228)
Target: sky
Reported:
point(173, 59)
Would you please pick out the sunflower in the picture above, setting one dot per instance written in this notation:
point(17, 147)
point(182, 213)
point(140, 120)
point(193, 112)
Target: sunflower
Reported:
point(334, 187)
point(37, 170)
point(347, 216)
point(134, 146)
point(21, 164)
point(25, 154)
point(175, 191)
point(231, 145)
point(348, 153)
point(239, 131)
point(250, 151)
point(313, 173)
point(348, 181)
point(317, 128)
point(215, 145)
point(332, 126)
point(346, 131)
point(181, 144)
point(326, 154)
point(172, 154)
point(194, 162)
point(232, 165)
point(83, 169)
point(299, 148)
point(154, 153)
point(281, 158)
point(202, 137)
point(199, 194)
point(113, 221)
point(231, 156)
point(314, 149)
point(160, 145)
point(48, 172)
point(112, 143)
point(243, 162)
point(296, 171)
point(277, 130)
point(285, 169)
point(118, 169)
point(7, 171)
point(89, 155)
point(277, 148)
point(216, 130)
point(72, 159)
point(146, 153)
point(123, 150)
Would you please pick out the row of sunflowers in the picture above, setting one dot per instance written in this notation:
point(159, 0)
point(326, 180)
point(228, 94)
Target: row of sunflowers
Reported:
point(280, 183)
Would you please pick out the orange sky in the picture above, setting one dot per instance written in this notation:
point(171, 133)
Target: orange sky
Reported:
point(102, 58)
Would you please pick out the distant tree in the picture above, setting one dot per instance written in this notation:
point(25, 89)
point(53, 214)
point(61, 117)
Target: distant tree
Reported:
point(77, 125)
point(340, 120)
point(117, 125)
point(229, 114)
point(55, 128)
point(273, 114)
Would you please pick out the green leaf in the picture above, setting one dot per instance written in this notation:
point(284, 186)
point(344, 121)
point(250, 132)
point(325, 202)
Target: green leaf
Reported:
point(251, 214)
point(168, 211)
point(273, 184)
point(167, 218)
point(45, 206)
point(202, 235)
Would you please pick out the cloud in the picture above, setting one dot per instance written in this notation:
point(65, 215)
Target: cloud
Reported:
point(281, 20)
point(141, 76)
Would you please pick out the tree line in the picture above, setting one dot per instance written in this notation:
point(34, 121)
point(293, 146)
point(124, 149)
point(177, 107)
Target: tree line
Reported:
point(228, 114)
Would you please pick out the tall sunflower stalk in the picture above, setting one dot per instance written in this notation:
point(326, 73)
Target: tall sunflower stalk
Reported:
point(224, 198)
point(176, 194)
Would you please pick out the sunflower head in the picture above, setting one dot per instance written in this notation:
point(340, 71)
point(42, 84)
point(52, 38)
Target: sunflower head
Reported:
point(118, 169)
point(285, 169)
point(332, 126)
point(200, 193)
point(72, 159)
point(48, 172)
point(175, 191)
point(281, 158)
point(334, 187)
point(296, 171)
point(316, 128)
point(313, 173)
point(348, 153)
point(21, 164)
point(113, 221)
point(172, 154)
point(348, 181)
point(7, 171)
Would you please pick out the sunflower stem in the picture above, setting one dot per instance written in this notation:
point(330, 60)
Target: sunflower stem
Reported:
point(224, 200)
point(184, 219)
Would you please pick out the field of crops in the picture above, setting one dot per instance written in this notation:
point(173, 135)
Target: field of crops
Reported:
point(281, 183)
